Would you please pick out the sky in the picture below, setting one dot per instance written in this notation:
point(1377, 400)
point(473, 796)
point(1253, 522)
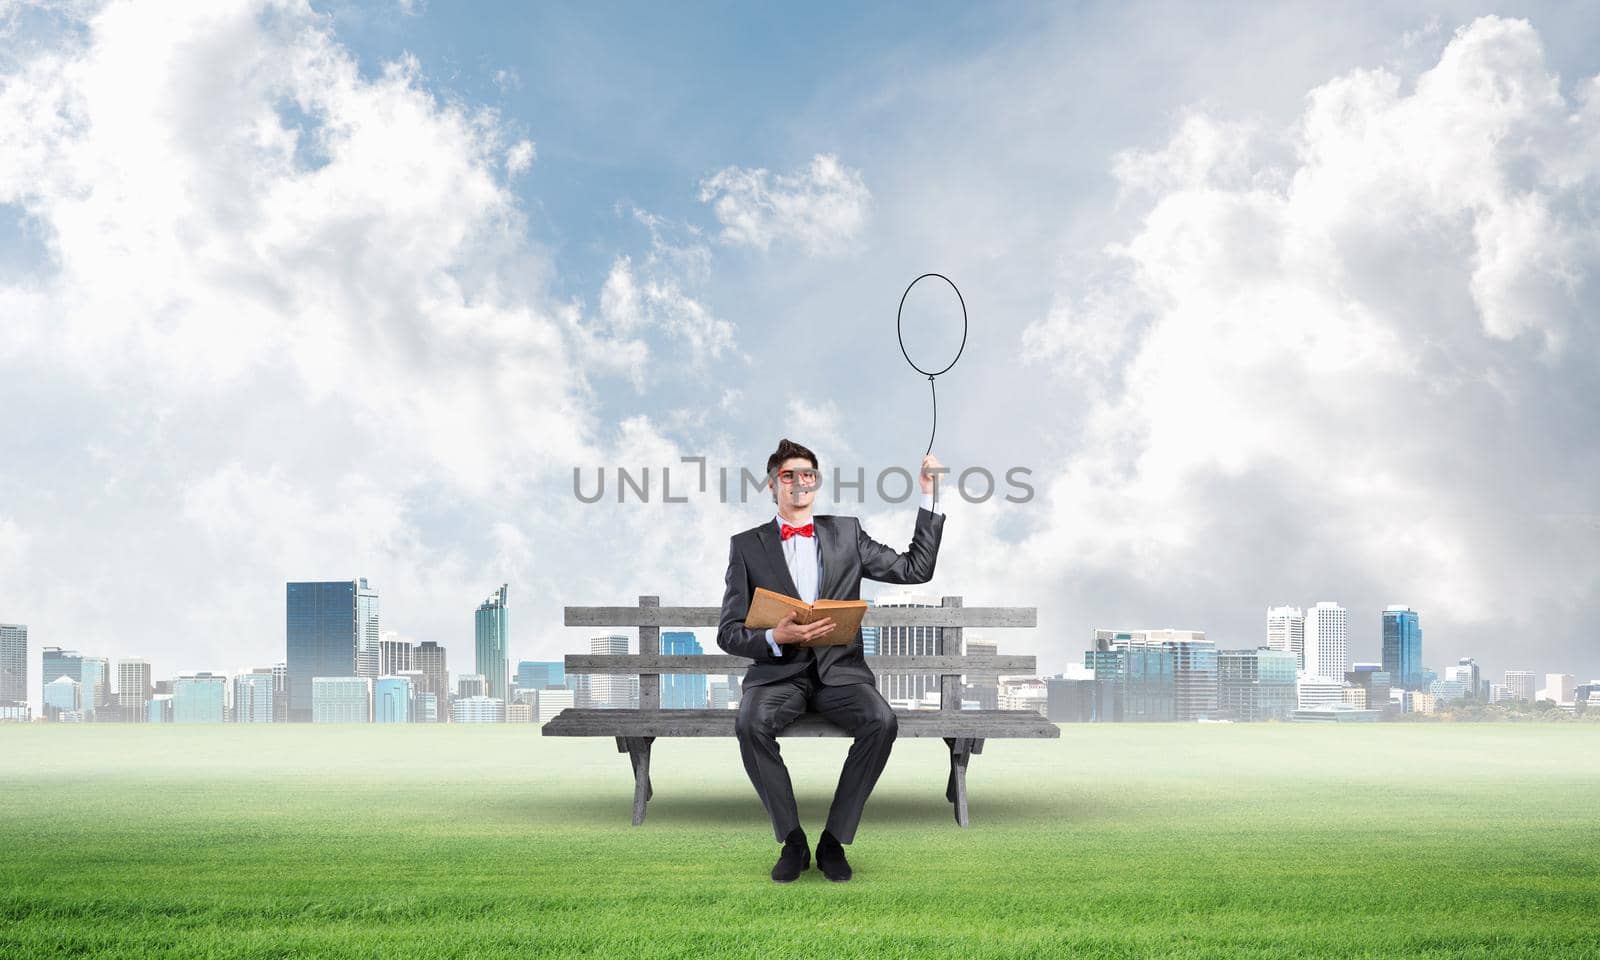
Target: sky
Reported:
point(1273, 309)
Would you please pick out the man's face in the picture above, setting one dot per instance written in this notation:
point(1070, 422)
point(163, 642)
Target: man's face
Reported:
point(796, 483)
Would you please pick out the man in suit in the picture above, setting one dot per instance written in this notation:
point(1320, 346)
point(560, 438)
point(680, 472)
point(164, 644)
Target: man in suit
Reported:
point(809, 557)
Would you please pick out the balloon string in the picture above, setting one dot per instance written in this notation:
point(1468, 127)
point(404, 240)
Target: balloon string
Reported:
point(935, 395)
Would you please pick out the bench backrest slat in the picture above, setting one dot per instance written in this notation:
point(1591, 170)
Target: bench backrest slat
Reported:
point(950, 664)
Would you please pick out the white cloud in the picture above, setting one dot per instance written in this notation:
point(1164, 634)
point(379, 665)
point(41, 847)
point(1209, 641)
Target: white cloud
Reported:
point(520, 157)
point(288, 325)
point(1364, 372)
point(823, 208)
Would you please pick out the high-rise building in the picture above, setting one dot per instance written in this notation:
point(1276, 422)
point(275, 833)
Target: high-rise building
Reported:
point(368, 630)
point(56, 662)
point(539, 674)
point(253, 697)
point(159, 709)
point(1520, 685)
point(1194, 673)
point(134, 689)
point(1327, 642)
point(490, 631)
point(341, 699)
point(1135, 677)
point(392, 699)
point(280, 692)
point(1402, 647)
point(199, 698)
point(1466, 672)
point(907, 642)
point(429, 658)
point(1286, 630)
point(682, 691)
point(1560, 687)
point(985, 690)
point(609, 691)
point(13, 663)
point(470, 685)
point(1254, 685)
point(95, 675)
point(63, 700)
point(329, 624)
point(394, 655)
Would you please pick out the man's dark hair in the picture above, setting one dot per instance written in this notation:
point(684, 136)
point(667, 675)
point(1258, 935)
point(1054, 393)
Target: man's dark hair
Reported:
point(788, 449)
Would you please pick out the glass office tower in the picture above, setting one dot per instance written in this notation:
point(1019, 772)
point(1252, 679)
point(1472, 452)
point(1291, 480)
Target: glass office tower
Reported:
point(13, 663)
point(490, 630)
point(682, 691)
point(327, 623)
point(1402, 647)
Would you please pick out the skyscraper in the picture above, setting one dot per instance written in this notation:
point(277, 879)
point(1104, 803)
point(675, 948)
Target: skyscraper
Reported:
point(134, 689)
point(1327, 641)
point(252, 697)
point(1194, 672)
point(1402, 647)
point(13, 663)
point(1256, 684)
point(907, 642)
point(95, 675)
point(1466, 671)
point(57, 662)
point(367, 630)
point(609, 690)
point(1286, 630)
point(682, 691)
point(1520, 684)
point(429, 658)
point(328, 623)
point(490, 630)
point(394, 655)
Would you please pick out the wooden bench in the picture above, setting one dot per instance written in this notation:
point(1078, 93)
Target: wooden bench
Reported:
point(963, 731)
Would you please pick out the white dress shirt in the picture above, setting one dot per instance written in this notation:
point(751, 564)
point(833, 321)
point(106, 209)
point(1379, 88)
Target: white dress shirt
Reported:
point(803, 555)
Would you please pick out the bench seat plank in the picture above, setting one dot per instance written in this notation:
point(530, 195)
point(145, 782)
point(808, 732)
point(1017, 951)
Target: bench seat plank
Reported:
point(583, 722)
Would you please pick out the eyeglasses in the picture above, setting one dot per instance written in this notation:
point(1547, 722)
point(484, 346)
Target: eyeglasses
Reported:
point(807, 477)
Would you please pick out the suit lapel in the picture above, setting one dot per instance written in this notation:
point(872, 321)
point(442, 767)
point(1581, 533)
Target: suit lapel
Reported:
point(767, 533)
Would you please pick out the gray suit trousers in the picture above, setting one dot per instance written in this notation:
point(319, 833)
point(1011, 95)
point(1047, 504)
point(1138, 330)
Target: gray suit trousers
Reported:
point(858, 708)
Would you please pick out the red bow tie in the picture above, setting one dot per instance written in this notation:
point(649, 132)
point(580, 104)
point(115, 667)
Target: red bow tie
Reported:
point(788, 531)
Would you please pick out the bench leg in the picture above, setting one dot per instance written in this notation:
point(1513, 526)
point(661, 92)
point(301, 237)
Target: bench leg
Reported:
point(638, 751)
point(961, 749)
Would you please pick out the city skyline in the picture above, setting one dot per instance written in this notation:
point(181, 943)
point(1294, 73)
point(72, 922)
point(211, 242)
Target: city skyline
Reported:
point(331, 625)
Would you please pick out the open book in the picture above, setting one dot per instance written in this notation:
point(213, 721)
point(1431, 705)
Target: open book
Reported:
point(768, 607)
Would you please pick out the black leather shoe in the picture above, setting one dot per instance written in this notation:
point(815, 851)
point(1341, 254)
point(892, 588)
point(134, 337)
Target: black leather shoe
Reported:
point(830, 859)
point(796, 856)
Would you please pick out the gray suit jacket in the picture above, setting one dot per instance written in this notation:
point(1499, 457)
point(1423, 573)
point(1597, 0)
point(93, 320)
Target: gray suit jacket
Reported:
point(755, 559)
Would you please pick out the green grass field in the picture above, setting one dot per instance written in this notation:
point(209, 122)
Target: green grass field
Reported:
point(1270, 840)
